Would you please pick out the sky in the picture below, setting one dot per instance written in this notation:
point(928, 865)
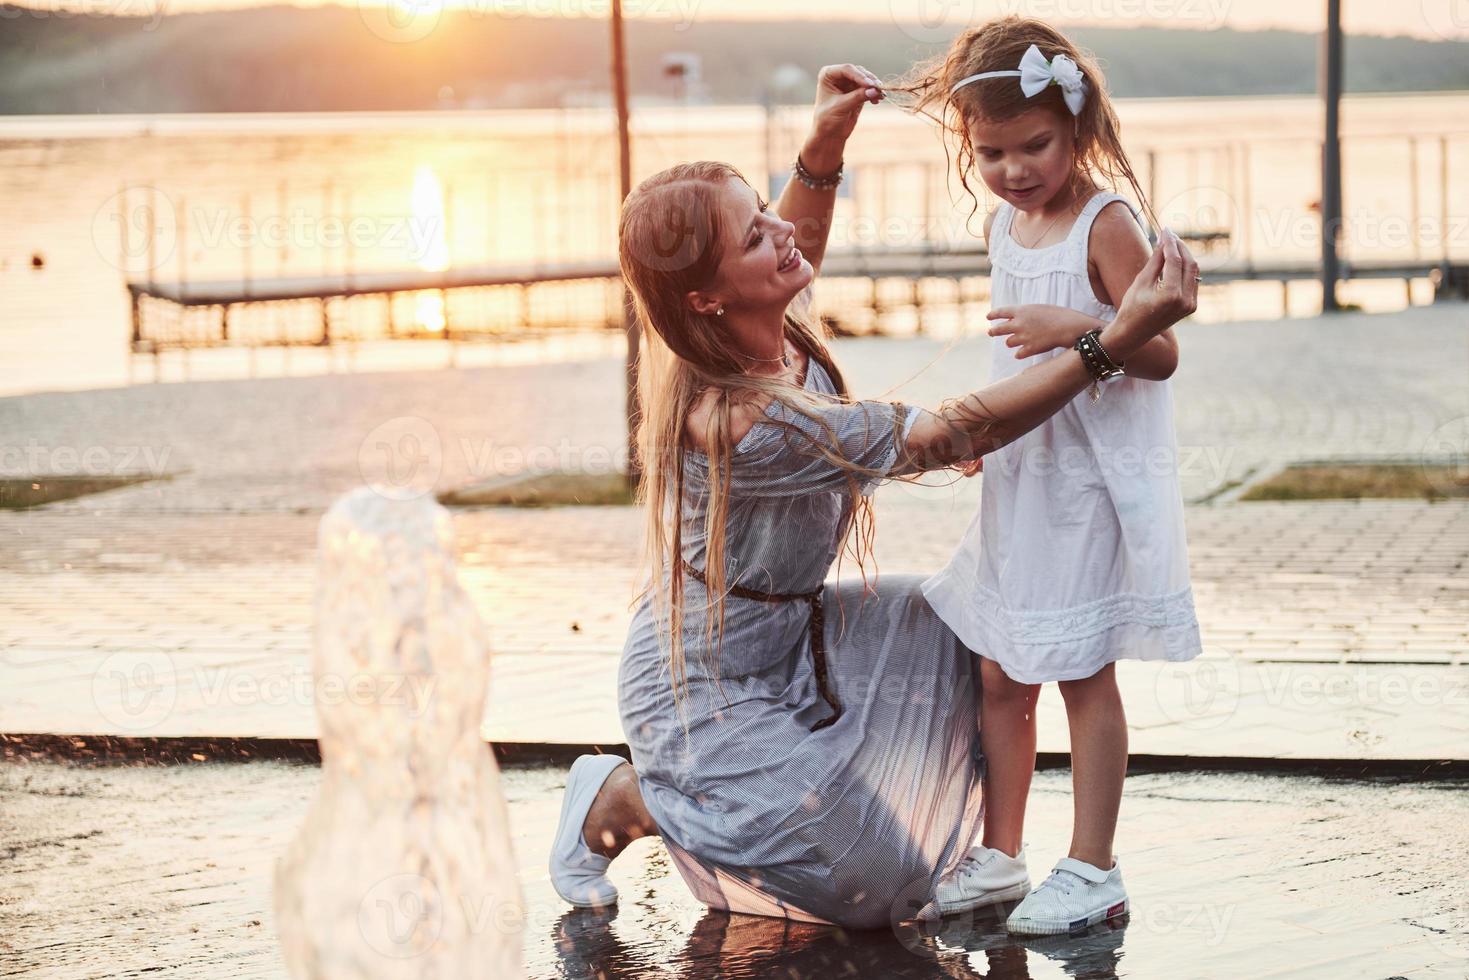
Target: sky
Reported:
point(1422, 18)
point(1419, 18)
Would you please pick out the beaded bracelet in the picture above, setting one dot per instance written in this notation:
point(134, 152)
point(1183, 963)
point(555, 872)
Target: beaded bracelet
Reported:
point(814, 182)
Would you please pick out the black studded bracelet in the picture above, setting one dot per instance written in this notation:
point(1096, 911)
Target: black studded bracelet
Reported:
point(1099, 363)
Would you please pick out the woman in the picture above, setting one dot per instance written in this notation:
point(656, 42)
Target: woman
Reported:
point(804, 750)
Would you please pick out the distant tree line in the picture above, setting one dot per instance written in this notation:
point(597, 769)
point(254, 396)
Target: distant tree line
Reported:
point(332, 58)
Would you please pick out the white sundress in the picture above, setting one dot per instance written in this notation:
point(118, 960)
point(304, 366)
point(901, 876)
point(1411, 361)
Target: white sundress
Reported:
point(1077, 555)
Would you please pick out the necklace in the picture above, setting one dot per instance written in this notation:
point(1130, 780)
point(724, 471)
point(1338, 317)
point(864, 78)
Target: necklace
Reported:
point(1044, 230)
point(1051, 225)
point(784, 358)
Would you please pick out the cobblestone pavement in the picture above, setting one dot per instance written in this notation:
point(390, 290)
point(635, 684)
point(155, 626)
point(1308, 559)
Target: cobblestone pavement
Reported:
point(1332, 630)
point(166, 871)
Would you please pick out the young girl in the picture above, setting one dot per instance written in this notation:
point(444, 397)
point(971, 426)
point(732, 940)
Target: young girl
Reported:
point(1077, 557)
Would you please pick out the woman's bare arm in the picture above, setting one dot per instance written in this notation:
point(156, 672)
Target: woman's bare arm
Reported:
point(841, 92)
point(1164, 292)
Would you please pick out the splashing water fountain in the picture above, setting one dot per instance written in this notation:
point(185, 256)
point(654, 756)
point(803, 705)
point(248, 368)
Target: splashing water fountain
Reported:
point(403, 867)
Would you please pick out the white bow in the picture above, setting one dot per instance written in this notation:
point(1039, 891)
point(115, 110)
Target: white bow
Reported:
point(1036, 73)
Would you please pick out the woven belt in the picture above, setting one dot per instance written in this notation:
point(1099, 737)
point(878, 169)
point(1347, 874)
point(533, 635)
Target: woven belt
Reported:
point(817, 626)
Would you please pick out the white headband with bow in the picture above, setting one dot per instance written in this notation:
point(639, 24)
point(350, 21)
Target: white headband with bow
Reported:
point(1035, 73)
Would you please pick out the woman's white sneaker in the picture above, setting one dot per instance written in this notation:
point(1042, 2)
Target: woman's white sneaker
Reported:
point(986, 876)
point(1076, 895)
point(579, 875)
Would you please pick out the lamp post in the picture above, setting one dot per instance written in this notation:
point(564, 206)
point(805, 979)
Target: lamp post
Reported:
point(624, 174)
point(1331, 79)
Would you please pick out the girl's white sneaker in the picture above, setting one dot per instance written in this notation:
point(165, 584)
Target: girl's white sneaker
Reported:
point(986, 876)
point(579, 875)
point(1076, 895)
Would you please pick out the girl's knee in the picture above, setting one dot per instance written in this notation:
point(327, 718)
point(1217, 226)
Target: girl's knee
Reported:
point(998, 688)
point(1102, 684)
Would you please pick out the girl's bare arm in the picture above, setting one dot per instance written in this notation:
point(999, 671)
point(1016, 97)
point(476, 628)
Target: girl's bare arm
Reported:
point(1164, 292)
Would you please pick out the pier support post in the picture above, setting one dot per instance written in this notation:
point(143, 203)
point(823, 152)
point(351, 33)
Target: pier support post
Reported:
point(917, 295)
point(137, 298)
point(1450, 283)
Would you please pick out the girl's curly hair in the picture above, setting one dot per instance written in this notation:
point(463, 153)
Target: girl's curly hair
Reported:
point(998, 46)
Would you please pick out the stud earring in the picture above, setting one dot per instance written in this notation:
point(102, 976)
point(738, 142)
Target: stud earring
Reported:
point(719, 312)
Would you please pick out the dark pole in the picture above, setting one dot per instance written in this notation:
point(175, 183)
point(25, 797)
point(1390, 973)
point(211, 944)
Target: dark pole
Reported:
point(624, 173)
point(1331, 75)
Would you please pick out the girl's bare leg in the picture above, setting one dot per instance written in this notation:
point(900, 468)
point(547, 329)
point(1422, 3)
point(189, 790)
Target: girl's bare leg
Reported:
point(1007, 738)
point(1098, 763)
point(618, 816)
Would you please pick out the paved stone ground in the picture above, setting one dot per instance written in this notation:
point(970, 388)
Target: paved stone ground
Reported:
point(1336, 630)
point(165, 871)
point(1332, 630)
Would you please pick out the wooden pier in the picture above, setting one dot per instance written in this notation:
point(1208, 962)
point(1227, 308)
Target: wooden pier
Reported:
point(914, 264)
point(485, 290)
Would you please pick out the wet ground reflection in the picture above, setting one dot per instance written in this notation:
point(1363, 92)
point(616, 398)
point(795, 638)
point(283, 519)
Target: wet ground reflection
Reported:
point(1229, 875)
point(723, 945)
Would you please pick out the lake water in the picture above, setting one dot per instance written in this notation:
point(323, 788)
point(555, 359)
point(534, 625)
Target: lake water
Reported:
point(257, 195)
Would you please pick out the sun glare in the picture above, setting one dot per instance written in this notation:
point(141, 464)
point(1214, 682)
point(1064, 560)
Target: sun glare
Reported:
point(428, 210)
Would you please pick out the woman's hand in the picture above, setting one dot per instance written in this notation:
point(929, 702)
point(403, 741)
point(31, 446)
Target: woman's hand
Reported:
point(1036, 327)
point(1164, 292)
point(841, 92)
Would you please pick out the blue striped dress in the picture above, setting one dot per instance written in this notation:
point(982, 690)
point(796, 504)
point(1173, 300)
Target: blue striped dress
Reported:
point(763, 808)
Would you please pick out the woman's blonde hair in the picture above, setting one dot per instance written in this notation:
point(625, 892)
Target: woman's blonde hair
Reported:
point(670, 242)
point(998, 46)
